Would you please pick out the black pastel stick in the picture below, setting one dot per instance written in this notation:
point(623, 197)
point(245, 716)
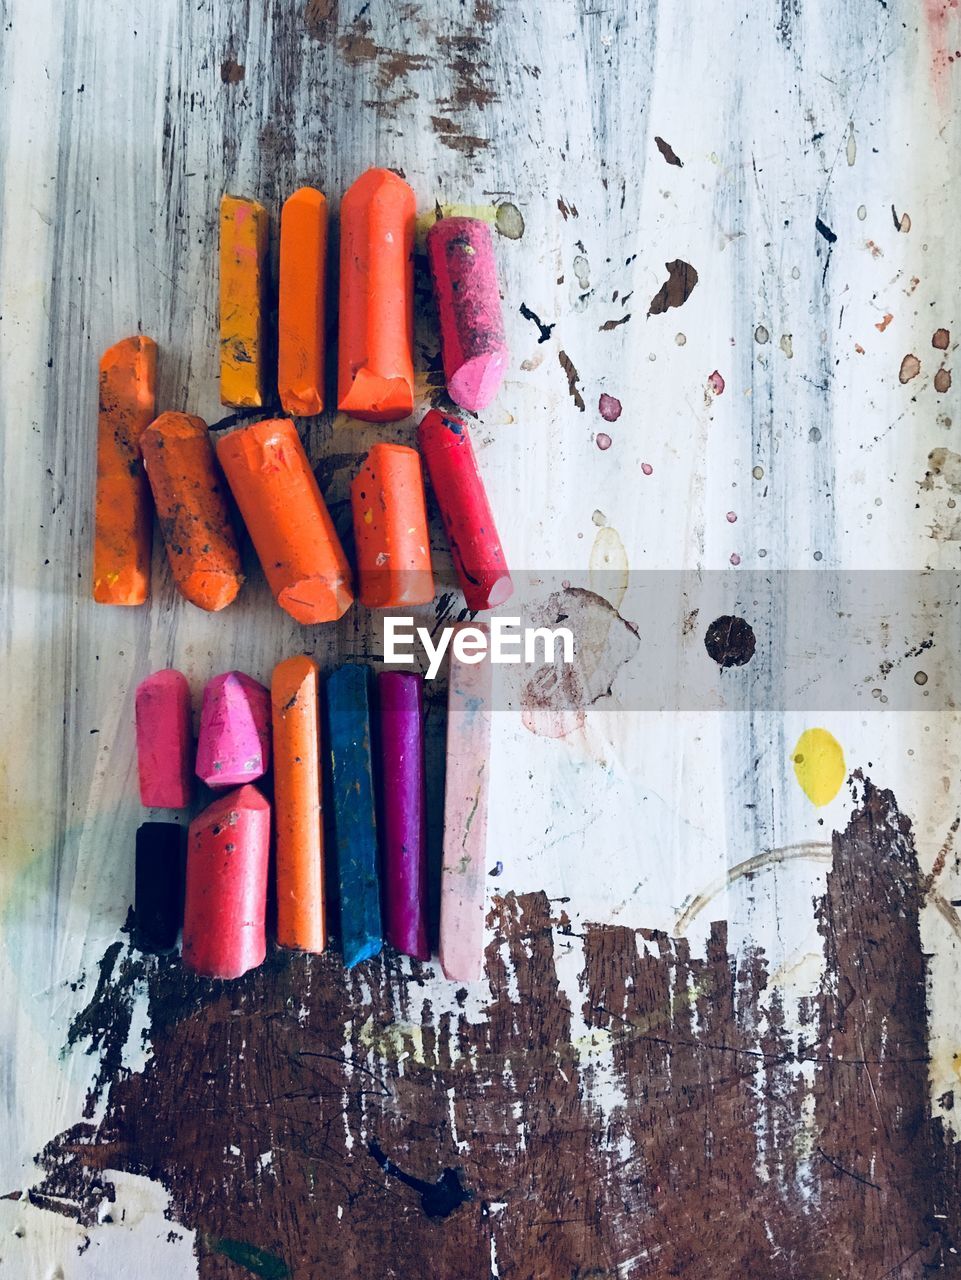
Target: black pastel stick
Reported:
point(159, 885)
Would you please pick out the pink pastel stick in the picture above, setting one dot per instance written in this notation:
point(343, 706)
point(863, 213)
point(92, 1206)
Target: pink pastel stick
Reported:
point(164, 743)
point(463, 883)
point(234, 743)
point(461, 256)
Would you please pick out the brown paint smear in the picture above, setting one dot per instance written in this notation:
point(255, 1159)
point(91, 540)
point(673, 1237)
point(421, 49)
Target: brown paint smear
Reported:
point(676, 289)
point(723, 1174)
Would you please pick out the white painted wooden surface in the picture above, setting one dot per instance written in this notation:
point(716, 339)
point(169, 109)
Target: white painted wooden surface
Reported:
point(117, 137)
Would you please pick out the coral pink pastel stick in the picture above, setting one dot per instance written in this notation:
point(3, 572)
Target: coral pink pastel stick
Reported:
point(164, 742)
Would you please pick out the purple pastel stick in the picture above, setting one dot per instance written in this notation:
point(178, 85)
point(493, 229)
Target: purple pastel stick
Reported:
point(164, 743)
point(461, 256)
point(234, 743)
point(405, 847)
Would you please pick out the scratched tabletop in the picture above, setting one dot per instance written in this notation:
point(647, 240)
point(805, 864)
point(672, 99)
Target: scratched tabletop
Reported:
point(718, 1032)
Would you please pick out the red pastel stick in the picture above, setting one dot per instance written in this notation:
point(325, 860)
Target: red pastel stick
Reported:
point(461, 256)
point(164, 740)
point(478, 556)
point(226, 897)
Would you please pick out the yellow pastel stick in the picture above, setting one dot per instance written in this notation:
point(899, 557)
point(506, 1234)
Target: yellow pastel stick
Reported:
point(243, 261)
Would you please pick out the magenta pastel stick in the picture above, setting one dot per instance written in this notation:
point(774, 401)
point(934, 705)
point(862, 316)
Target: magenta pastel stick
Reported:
point(164, 741)
point(405, 836)
point(234, 742)
point(474, 544)
point(461, 256)
point(463, 881)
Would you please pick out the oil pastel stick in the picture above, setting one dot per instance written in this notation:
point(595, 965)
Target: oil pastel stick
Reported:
point(158, 885)
point(376, 336)
point(233, 746)
point(189, 495)
point(473, 346)
point(475, 546)
point(401, 699)
point(302, 298)
point(355, 822)
point(390, 529)
point(164, 740)
point(295, 710)
point(288, 521)
point(463, 894)
point(225, 906)
point(244, 229)
point(123, 512)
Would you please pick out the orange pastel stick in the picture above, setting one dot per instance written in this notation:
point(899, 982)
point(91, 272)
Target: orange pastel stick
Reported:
point(188, 492)
point(243, 269)
point(303, 291)
point(289, 524)
point(122, 509)
point(297, 804)
point(390, 529)
point(376, 364)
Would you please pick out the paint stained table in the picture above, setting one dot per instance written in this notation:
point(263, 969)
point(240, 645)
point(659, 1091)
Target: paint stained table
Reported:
point(718, 1031)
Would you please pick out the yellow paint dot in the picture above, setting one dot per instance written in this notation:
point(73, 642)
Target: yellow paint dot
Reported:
point(819, 765)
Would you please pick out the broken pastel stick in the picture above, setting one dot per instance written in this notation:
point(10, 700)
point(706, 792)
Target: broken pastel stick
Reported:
point(158, 885)
point(401, 697)
point(301, 918)
point(123, 516)
point(233, 746)
point(244, 226)
point(301, 301)
point(355, 823)
point(390, 529)
point(225, 904)
point(289, 524)
point(188, 492)
point(463, 894)
point(476, 549)
point(164, 740)
point(376, 339)
point(474, 349)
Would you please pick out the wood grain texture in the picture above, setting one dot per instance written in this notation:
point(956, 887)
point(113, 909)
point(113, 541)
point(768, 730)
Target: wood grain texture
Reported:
point(800, 129)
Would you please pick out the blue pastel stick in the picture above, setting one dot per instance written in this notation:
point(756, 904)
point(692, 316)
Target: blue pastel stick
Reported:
point(355, 822)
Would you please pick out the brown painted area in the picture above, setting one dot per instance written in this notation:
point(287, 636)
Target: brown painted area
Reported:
point(676, 289)
point(708, 1169)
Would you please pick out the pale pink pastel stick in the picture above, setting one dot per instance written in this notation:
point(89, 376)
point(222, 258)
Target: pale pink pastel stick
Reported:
point(463, 882)
point(164, 741)
point(234, 743)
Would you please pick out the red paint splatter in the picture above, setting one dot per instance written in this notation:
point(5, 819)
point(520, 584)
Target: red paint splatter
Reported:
point(883, 324)
point(716, 383)
point(609, 407)
point(731, 517)
point(735, 558)
point(647, 468)
point(603, 440)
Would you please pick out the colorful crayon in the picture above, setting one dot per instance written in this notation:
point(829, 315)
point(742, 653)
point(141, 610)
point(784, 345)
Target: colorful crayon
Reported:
point(244, 228)
point(390, 529)
point(401, 698)
point(476, 549)
point(289, 524)
point(233, 746)
point(301, 919)
point(376, 338)
point(158, 885)
point(189, 494)
point(460, 252)
point(301, 302)
point(123, 513)
point(164, 740)
point(355, 823)
point(226, 895)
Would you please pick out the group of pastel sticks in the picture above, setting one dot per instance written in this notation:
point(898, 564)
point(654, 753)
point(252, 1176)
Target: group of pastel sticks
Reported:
point(265, 464)
point(380, 866)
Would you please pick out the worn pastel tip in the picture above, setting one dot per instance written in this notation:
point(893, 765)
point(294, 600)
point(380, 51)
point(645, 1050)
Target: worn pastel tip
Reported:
point(324, 598)
point(376, 399)
point(164, 740)
point(477, 381)
point(359, 949)
point(211, 590)
point(234, 743)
